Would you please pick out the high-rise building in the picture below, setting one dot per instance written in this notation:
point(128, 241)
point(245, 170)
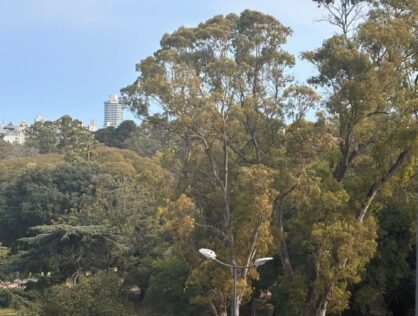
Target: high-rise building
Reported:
point(113, 111)
point(92, 126)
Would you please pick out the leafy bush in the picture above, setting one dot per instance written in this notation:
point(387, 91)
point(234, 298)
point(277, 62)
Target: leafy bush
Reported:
point(98, 294)
point(5, 298)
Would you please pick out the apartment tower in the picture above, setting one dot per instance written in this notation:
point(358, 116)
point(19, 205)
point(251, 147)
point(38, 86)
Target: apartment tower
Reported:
point(113, 111)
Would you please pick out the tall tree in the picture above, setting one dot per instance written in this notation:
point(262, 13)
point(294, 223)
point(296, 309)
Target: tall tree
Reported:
point(223, 86)
point(370, 76)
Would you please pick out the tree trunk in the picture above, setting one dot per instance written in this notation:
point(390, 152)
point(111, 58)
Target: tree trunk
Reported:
point(239, 299)
point(317, 308)
point(214, 310)
point(342, 166)
point(218, 310)
point(253, 313)
point(279, 212)
point(284, 255)
point(322, 310)
point(375, 187)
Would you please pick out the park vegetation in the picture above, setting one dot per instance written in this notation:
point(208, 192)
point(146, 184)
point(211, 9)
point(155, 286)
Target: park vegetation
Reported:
point(234, 155)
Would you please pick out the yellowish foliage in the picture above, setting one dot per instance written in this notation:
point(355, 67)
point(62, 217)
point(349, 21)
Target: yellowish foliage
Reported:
point(179, 216)
point(342, 250)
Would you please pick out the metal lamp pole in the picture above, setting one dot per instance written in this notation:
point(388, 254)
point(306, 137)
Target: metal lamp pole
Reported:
point(210, 254)
point(234, 289)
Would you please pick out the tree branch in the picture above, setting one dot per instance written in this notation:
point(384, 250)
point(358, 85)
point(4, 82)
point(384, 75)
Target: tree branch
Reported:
point(375, 187)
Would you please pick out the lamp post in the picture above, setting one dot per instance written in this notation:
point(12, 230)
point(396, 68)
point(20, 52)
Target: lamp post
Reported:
point(210, 254)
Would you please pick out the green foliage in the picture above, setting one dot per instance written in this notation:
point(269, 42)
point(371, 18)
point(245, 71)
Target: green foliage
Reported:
point(115, 137)
point(62, 135)
point(390, 274)
point(47, 195)
point(343, 249)
point(168, 292)
point(5, 298)
point(224, 87)
point(42, 196)
point(230, 163)
point(5, 147)
point(152, 136)
point(67, 250)
point(95, 295)
point(95, 215)
point(3, 252)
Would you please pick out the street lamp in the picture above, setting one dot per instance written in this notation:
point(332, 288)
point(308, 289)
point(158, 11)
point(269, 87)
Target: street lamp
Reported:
point(210, 254)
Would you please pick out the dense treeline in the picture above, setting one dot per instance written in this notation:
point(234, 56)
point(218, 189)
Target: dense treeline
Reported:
point(66, 219)
point(234, 161)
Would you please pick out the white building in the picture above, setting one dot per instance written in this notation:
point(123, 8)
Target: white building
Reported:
point(14, 134)
point(39, 118)
point(92, 126)
point(113, 111)
point(17, 137)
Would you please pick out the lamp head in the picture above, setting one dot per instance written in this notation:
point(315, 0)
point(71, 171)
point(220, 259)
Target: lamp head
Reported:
point(260, 261)
point(210, 254)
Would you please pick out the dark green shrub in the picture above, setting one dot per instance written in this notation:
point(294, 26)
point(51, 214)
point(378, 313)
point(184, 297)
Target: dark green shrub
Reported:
point(5, 298)
point(98, 294)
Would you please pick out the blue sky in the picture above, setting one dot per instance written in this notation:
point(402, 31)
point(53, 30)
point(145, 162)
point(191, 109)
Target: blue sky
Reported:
point(66, 57)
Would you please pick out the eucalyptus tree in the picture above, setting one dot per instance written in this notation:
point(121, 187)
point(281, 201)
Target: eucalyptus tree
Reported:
point(370, 81)
point(224, 88)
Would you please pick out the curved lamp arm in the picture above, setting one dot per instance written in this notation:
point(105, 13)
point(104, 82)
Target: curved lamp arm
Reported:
point(210, 254)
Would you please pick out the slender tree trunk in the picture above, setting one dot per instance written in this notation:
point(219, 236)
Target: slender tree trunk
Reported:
point(342, 166)
point(319, 307)
point(284, 255)
point(256, 147)
point(214, 310)
point(322, 308)
point(239, 300)
point(279, 212)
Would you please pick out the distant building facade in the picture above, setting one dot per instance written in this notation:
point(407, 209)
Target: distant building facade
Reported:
point(113, 112)
point(39, 119)
point(92, 126)
point(14, 134)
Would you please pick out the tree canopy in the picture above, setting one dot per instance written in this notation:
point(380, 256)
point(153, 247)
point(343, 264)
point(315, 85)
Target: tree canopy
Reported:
point(234, 155)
